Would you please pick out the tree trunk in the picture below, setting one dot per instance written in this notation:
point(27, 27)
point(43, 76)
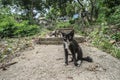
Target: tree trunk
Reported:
point(92, 9)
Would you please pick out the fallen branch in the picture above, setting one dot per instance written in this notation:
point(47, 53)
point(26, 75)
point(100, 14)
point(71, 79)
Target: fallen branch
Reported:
point(3, 66)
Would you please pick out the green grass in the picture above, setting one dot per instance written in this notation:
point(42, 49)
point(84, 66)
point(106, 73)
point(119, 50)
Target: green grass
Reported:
point(63, 24)
point(100, 40)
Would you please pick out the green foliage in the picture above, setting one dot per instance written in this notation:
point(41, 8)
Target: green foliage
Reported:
point(63, 24)
point(44, 32)
point(116, 36)
point(53, 13)
point(9, 27)
point(115, 17)
point(26, 7)
point(110, 5)
point(116, 51)
point(109, 10)
point(24, 29)
point(72, 21)
point(70, 9)
point(102, 41)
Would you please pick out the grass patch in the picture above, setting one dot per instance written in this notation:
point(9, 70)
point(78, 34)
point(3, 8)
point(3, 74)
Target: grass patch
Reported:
point(101, 40)
point(62, 25)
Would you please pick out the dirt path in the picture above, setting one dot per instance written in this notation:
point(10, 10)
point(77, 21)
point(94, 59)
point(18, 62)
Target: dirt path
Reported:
point(46, 62)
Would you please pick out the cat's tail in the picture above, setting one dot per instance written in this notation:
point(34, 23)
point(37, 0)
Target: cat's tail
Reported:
point(88, 59)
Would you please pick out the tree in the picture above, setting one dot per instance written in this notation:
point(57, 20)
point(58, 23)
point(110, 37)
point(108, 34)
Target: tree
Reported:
point(53, 14)
point(28, 7)
point(110, 5)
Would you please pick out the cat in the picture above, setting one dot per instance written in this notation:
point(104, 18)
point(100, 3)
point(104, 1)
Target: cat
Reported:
point(70, 44)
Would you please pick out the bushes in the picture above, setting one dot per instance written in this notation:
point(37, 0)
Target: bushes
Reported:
point(115, 17)
point(101, 39)
point(116, 36)
point(71, 21)
point(62, 24)
point(24, 29)
point(9, 27)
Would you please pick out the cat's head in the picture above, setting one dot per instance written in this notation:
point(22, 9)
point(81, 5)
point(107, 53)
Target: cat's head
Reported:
point(68, 37)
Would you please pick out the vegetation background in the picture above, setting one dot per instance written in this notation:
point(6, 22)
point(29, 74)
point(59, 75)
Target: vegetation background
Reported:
point(98, 20)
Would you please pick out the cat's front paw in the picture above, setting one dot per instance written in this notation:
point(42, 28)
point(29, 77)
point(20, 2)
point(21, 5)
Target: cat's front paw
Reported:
point(75, 64)
point(78, 63)
point(66, 63)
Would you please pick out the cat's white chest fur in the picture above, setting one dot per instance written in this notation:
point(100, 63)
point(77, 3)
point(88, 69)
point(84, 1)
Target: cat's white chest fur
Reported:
point(67, 46)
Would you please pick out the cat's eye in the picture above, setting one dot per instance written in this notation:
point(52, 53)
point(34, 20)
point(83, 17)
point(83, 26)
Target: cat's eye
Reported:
point(64, 37)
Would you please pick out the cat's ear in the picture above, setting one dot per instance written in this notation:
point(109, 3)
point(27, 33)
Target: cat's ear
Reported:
point(72, 33)
point(63, 34)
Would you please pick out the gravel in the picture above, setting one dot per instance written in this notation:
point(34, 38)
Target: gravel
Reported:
point(46, 62)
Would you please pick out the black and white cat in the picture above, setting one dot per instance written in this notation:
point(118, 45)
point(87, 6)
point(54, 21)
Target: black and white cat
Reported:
point(70, 44)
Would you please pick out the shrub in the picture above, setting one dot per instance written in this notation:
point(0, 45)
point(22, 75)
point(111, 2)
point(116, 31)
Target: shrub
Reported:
point(71, 21)
point(115, 17)
point(116, 36)
point(24, 29)
point(102, 41)
point(9, 27)
point(62, 24)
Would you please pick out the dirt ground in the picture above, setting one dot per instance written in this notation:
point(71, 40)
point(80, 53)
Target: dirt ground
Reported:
point(46, 62)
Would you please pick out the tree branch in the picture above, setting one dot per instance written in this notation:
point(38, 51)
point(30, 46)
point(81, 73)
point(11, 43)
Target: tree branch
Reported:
point(80, 3)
